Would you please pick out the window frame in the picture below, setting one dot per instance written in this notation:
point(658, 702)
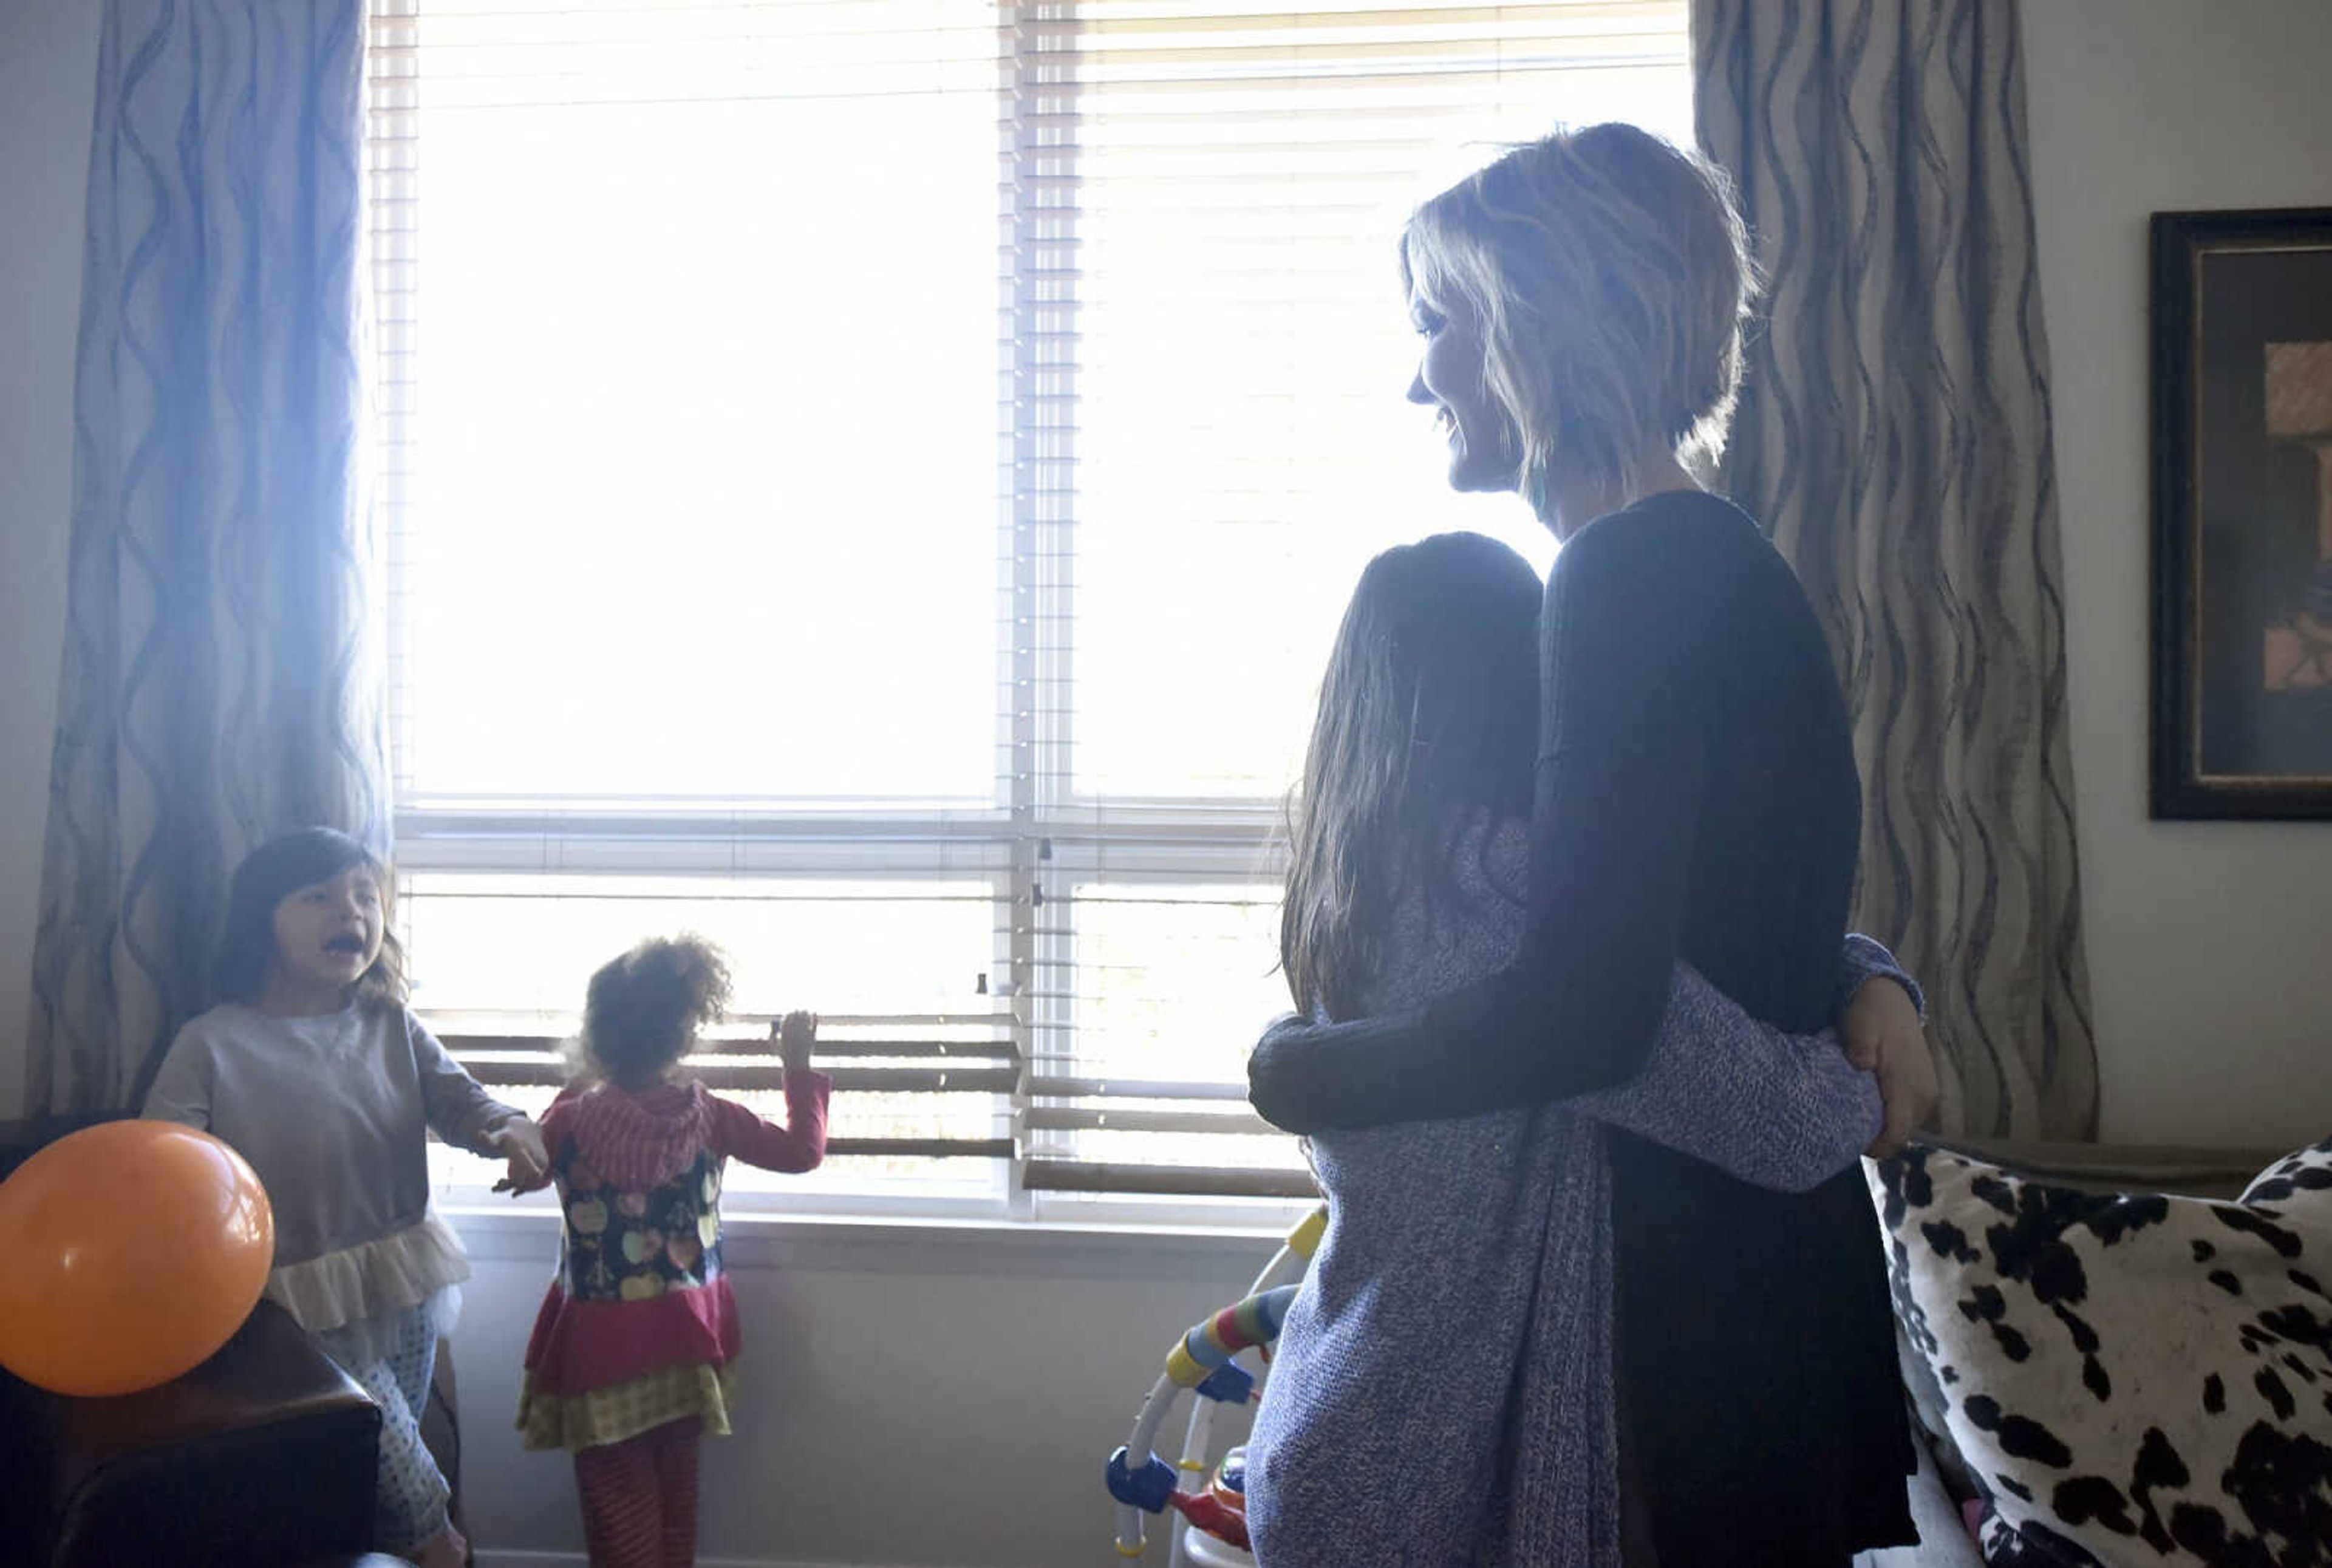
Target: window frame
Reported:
point(1038, 833)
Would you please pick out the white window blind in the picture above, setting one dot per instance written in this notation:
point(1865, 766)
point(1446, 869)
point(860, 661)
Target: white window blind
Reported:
point(876, 480)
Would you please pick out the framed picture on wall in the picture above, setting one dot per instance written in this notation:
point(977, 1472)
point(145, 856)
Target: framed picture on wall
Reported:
point(2242, 513)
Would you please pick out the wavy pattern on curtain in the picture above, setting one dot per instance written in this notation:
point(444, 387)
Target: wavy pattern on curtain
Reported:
point(1894, 435)
point(219, 680)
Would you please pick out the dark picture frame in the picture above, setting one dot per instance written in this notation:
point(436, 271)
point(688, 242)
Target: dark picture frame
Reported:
point(2241, 388)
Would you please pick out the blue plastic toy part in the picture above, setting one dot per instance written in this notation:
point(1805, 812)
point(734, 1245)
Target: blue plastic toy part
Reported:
point(1146, 1489)
point(1230, 1384)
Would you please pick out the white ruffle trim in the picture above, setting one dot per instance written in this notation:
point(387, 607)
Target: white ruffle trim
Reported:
point(367, 1341)
point(386, 1275)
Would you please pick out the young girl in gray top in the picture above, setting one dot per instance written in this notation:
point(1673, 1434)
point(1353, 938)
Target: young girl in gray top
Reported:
point(316, 1072)
point(1443, 1388)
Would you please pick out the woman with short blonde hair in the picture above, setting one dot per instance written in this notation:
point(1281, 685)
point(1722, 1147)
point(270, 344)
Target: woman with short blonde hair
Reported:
point(1612, 280)
point(1581, 302)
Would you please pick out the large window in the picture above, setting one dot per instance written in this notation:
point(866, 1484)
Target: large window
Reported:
point(874, 481)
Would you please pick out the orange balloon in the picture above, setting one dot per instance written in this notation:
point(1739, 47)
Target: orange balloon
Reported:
point(130, 1251)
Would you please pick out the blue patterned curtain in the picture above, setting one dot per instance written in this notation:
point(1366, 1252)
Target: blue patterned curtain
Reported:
point(219, 681)
point(1894, 435)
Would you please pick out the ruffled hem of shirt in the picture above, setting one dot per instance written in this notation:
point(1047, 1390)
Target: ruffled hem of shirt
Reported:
point(388, 1274)
point(609, 1415)
point(390, 1336)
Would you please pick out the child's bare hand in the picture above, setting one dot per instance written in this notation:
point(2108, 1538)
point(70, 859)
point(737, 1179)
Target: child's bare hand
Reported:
point(518, 1189)
point(796, 1032)
point(1884, 1036)
point(520, 1141)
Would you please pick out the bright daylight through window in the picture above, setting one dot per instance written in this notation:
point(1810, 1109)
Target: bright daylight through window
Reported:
point(873, 482)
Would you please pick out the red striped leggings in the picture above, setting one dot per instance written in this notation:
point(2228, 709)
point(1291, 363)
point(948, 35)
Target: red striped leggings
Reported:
point(639, 1497)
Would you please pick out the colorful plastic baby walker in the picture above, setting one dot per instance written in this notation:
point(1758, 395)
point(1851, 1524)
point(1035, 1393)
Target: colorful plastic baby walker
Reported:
point(1210, 1524)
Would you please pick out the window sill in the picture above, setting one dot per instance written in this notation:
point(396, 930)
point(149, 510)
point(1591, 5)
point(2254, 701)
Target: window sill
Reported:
point(499, 1231)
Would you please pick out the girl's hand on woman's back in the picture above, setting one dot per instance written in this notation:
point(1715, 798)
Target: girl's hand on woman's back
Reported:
point(1883, 1034)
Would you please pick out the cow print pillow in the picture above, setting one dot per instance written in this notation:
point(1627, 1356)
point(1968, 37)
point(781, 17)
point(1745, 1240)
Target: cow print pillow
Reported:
point(2136, 1379)
point(2297, 1187)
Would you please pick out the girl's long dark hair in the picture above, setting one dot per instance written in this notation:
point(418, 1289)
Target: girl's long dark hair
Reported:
point(643, 1010)
point(271, 874)
point(1429, 713)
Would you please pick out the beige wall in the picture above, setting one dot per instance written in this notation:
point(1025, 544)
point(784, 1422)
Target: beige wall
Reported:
point(2208, 942)
point(909, 1397)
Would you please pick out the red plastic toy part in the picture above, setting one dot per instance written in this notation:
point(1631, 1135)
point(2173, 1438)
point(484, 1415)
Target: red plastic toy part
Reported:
point(1210, 1512)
